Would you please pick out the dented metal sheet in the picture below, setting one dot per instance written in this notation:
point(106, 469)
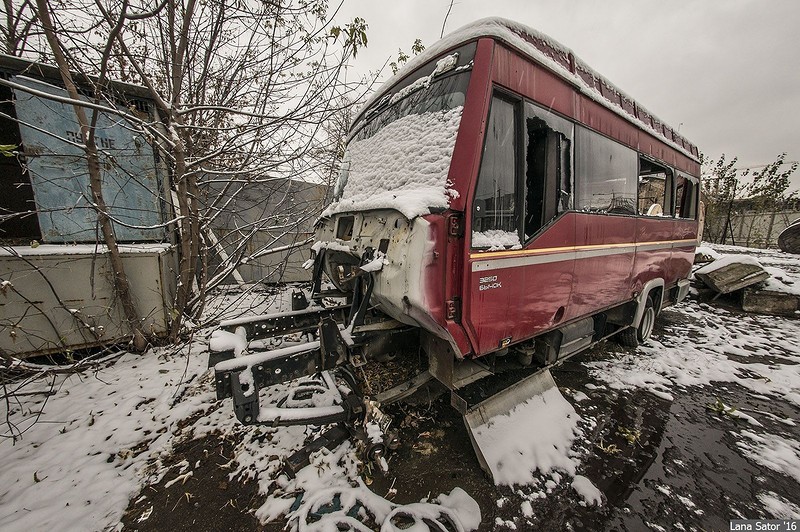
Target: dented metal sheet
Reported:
point(60, 178)
point(59, 298)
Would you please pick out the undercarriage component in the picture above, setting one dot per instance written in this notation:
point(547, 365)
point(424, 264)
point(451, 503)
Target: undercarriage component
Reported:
point(241, 378)
point(290, 322)
point(299, 300)
point(330, 439)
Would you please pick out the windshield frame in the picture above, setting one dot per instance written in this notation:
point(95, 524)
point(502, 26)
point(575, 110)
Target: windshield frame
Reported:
point(466, 55)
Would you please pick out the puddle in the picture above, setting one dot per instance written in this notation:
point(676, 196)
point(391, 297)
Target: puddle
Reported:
point(666, 463)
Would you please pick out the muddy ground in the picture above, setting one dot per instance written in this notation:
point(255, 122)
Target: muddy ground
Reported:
point(660, 464)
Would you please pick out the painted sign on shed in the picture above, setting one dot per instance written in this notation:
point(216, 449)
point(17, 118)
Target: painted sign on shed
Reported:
point(59, 175)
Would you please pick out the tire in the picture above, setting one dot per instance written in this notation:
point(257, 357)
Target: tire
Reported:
point(634, 336)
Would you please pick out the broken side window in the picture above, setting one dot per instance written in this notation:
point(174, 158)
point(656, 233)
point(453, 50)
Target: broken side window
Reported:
point(548, 167)
point(495, 214)
point(686, 197)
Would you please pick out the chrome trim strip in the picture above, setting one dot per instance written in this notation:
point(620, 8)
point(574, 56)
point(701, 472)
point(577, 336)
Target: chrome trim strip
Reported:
point(501, 263)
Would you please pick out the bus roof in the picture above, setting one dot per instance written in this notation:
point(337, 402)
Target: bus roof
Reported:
point(557, 58)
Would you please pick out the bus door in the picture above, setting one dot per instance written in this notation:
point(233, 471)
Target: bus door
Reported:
point(520, 265)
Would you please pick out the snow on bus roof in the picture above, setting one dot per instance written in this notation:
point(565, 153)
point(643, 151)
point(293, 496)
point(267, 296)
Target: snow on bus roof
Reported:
point(556, 57)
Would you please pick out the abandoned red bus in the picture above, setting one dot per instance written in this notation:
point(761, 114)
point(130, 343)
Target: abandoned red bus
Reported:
point(499, 202)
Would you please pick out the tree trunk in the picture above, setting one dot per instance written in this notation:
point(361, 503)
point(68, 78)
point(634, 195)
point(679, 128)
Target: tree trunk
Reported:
point(120, 279)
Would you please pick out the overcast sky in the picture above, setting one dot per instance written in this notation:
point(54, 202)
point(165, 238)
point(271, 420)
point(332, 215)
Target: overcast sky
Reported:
point(726, 72)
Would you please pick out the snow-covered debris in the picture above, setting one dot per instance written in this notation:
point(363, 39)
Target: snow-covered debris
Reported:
point(333, 476)
point(728, 260)
point(375, 264)
point(704, 254)
point(390, 171)
point(723, 409)
point(587, 490)
point(514, 456)
point(333, 246)
point(780, 281)
point(731, 273)
point(227, 341)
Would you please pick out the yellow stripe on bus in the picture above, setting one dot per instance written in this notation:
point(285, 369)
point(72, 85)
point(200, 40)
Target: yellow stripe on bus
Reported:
point(566, 249)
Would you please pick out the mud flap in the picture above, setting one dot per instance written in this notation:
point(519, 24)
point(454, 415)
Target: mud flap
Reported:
point(501, 404)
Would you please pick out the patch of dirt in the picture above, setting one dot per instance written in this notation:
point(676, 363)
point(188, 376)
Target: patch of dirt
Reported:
point(205, 500)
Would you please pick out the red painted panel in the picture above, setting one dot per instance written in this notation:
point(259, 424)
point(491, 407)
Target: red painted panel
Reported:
point(683, 257)
point(532, 81)
point(525, 305)
point(592, 229)
point(528, 298)
point(524, 300)
point(442, 275)
point(602, 281)
point(652, 264)
point(513, 71)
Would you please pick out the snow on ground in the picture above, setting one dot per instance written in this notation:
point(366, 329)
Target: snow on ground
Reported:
point(85, 450)
point(710, 345)
point(90, 442)
point(713, 345)
point(777, 507)
point(518, 451)
point(777, 453)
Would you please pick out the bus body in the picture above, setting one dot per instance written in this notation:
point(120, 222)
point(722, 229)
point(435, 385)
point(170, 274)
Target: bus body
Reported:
point(503, 195)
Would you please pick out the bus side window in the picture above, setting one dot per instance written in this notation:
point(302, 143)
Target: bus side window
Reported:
point(686, 198)
point(495, 217)
point(655, 189)
point(606, 174)
point(548, 158)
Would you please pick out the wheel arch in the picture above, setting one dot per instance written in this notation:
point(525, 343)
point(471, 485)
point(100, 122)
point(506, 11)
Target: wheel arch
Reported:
point(654, 287)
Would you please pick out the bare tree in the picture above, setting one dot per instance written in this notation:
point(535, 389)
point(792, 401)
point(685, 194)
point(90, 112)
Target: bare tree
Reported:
point(19, 26)
point(88, 127)
point(729, 191)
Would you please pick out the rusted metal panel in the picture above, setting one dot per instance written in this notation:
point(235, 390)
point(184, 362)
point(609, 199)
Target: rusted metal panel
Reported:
point(61, 298)
point(733, 276)
point(769, 302)
point(59, 173)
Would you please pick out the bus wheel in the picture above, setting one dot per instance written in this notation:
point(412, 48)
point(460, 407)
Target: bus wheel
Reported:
point(633, 336)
